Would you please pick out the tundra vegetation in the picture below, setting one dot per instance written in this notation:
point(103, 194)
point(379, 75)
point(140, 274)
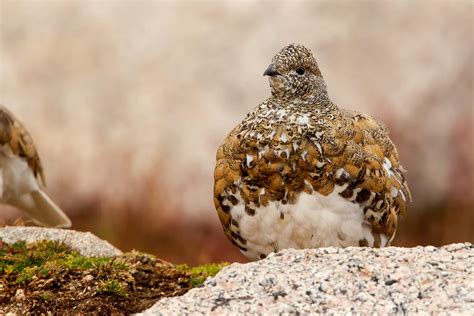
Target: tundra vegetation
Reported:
point(48, 276)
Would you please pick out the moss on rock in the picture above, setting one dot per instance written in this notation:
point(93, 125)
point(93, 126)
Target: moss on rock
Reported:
point(48, 276)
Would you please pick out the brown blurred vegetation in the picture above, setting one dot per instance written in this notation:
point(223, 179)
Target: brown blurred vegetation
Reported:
point(128, 101)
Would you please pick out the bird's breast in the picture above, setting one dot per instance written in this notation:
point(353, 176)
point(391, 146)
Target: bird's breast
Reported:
point(314, 220)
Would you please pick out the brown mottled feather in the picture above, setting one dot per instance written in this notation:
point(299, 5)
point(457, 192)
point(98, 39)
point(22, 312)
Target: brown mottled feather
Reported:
point(299, 141)
point(360, 150)
point(14, 134)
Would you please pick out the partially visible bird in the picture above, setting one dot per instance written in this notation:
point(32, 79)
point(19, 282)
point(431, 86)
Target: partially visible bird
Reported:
point(299, 172)
point(21, 174)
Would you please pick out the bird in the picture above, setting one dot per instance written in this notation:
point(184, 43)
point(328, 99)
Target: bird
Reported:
point(22, 179)
point(300, 172)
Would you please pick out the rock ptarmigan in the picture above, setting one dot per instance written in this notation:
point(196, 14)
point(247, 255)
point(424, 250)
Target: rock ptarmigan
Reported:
point(21, 174)
point(300, 172)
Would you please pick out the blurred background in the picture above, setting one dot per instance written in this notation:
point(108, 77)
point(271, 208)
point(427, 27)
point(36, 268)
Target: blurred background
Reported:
point(127, 102)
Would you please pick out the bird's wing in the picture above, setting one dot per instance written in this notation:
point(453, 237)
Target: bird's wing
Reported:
point(227, 176)
point(369, 166)
point(14, 135)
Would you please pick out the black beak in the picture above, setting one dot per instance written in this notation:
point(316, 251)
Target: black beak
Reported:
point(271, 71)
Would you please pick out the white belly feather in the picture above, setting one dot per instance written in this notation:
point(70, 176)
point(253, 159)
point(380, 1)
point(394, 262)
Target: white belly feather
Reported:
point(17, 178)
point(314, 221)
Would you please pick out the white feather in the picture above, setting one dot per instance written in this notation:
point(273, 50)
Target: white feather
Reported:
point(314, 221)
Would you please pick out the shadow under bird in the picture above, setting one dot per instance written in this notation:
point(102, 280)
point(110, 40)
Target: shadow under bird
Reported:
point(21, 174)
point(300, 172)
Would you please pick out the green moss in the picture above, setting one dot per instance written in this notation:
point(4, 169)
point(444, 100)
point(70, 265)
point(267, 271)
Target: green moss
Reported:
point(26, 275)
point(46, 296)
point(47, 259)
point(199, 274)
point(112, 286)
point(58, 278)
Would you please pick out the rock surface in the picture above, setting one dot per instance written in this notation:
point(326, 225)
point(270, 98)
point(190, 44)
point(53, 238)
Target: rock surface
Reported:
point(325, 280)
point(86, 244)
point(359, 280)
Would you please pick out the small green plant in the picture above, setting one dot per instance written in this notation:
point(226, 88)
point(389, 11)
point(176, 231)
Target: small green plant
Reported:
point(26, 275)
point(112, 286)
point(46, 296)
point(199, 274)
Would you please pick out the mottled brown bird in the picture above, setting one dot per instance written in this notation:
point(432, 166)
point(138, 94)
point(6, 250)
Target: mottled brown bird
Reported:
point(21, 174)
point(299, 172)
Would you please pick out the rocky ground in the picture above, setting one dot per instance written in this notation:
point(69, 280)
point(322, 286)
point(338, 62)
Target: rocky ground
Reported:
point(78, 272)
point(85, 243)
point(355, 280)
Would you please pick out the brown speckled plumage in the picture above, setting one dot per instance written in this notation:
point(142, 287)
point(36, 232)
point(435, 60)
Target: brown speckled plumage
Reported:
point(21, 174)
point(14, 134)
point(299, 142)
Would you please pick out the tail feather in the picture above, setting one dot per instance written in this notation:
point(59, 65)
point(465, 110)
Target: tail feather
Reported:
point(42, 210)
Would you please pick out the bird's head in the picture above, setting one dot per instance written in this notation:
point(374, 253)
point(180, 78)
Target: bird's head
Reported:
point(294, 74)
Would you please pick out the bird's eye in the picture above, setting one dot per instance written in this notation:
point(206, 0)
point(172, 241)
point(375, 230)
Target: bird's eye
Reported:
point(300, 71)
